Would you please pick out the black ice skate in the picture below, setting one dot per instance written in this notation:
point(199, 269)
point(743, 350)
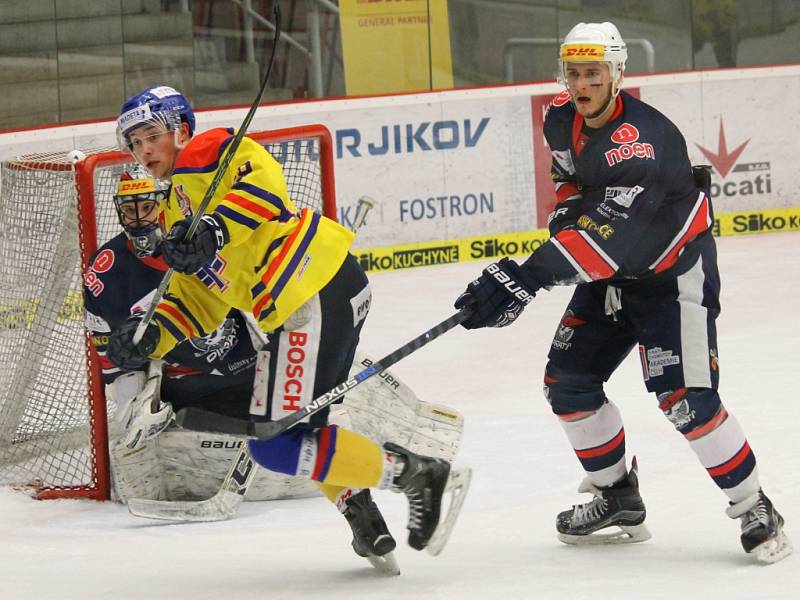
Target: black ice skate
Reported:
point(424, 481)
point(762, 528)
point(618, 506)
point(371, 537)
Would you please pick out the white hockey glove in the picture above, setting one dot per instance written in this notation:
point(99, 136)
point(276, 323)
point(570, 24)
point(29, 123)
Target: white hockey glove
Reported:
point(145, 416)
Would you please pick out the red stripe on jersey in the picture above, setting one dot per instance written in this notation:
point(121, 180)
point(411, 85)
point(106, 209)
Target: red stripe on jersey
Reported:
point(695, 225)
point(604, 449)
point(180, 318)
point(105, 363)
point(265, 298)
point(577, 126)
point(591, 261)
point(249, 205)
point(617, 109)
point(178, 371)
point(565, 190)
point(155, 262)
point(278, 260)
point(730, 465)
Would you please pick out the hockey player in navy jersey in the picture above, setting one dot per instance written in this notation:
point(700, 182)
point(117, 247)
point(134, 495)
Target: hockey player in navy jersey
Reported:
point(632, 228)
point(292, 270)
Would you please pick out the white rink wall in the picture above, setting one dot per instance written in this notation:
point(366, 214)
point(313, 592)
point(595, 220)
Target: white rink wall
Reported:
point(458, 164)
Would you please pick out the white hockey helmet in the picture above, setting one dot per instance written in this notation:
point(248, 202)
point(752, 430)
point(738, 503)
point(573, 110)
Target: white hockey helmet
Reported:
point(595, 42)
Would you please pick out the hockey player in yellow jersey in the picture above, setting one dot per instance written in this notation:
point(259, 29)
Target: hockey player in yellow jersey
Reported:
point(292, 270)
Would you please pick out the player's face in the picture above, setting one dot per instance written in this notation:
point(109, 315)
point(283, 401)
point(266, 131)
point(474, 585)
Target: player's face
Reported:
point(138, 213)
point(589, 86)
point(156, 148)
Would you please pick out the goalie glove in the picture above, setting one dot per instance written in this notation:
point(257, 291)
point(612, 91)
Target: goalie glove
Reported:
point(189, 256)
point(144, 417)
point(497, 296)
point(127, 355)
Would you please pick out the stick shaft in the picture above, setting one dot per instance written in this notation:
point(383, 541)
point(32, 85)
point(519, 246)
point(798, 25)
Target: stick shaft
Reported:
point(272, 429)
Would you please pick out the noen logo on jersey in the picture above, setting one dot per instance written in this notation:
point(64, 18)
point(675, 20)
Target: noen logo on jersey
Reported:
point(627, 136)
point(582, 52)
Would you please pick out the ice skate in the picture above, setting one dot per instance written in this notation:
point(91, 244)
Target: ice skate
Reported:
point(618, 506)
point(371, 537)
point(762, 528)
point(424, 481)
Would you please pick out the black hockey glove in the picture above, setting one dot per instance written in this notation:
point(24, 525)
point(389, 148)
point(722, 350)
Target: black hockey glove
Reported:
point(497, 296)
point(124, 353)
point(190, 256)
point(564, 216)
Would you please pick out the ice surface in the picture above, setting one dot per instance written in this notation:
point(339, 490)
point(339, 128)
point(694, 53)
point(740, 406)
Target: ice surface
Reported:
point(504, 546)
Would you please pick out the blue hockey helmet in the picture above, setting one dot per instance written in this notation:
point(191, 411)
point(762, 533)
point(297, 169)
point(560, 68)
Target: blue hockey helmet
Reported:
point(161, 106)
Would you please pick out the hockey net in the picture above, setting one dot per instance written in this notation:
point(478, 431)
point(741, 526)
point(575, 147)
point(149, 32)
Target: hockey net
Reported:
point(54, 214)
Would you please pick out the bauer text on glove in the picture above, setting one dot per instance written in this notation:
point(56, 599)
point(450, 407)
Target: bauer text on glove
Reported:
point(498, 296)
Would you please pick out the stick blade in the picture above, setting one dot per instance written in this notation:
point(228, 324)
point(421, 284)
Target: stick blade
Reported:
point(220, 507)
point(270, 429)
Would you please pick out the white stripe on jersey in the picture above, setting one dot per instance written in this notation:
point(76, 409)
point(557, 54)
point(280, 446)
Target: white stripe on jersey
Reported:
point(700, 197)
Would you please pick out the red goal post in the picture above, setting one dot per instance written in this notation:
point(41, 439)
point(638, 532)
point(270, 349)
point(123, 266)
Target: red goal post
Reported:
point(54, 214)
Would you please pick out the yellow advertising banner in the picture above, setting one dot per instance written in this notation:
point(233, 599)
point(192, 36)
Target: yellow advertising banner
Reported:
point(524, 243)
point(392, 46)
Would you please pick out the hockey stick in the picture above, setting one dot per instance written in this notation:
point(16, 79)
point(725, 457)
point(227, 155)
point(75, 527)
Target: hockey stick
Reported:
point(212, 188)
point(271, 429)
point(225, 503)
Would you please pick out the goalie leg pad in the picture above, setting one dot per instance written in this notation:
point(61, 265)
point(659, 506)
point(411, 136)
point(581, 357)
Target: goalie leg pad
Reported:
point(386, 410)
point(137, 473)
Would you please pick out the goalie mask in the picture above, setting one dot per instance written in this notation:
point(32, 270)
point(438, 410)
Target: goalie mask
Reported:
point(137, 201)
point(162, 109)
point(595, 42)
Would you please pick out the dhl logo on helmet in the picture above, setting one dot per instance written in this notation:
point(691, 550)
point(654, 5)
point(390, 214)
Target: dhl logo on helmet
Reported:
point(582, 52)
point(136, 186)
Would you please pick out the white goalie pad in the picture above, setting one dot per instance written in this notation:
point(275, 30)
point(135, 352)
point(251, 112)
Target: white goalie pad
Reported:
point(385, 409)
point(182, 464)
point(190, 465)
